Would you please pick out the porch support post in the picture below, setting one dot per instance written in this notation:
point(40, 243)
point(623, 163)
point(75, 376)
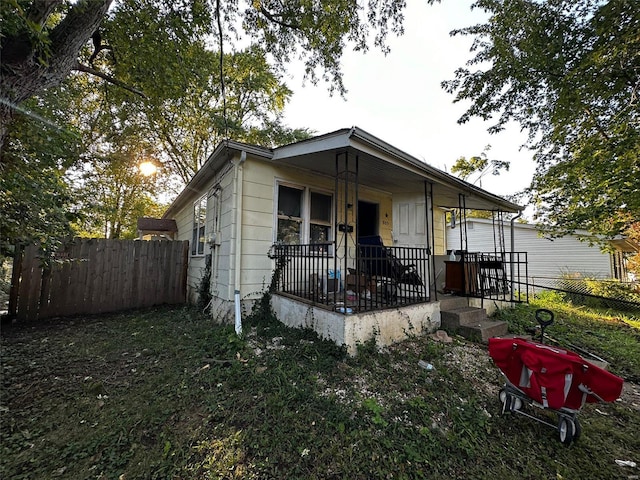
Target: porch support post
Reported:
point(431, 244)
point(462, 206)
point(340, 173)
point(337, 223)
point(460, 227)
point(345, 233)
point(343, 178)
point(513, 249)
point(357, 199)
point(335, 207)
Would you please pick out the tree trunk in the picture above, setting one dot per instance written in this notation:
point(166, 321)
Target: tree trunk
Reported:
point(23, 74)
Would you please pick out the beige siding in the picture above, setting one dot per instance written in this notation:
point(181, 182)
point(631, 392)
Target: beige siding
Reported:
point(220, 253)
point(222, 286)
point(439, 232)
point(184, 221)
point(258, 183)
point(257, 228)
point(303, 177)
point(252, 232)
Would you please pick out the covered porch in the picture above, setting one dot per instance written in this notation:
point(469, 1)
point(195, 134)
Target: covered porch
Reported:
point(382, 247)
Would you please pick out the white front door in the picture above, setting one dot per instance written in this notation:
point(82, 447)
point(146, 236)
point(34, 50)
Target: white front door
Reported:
point(409, 223)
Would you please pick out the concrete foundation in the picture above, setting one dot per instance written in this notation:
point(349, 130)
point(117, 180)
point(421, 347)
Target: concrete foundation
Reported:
point(386, 326)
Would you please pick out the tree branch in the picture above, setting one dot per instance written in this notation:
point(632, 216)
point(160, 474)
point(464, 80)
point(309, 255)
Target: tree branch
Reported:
point(83, 68)
point(41, 9)
point(270, 16)
point(596, 123)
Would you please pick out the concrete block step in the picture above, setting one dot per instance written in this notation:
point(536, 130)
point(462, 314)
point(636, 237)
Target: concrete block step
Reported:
point(462, 316)
point(449, 302)
point(483, 330)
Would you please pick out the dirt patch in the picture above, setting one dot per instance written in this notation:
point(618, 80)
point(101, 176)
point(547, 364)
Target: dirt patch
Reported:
point(475, 365)
point(630, 396)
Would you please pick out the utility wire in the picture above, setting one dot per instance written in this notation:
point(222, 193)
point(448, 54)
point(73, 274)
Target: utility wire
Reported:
point(224, 96)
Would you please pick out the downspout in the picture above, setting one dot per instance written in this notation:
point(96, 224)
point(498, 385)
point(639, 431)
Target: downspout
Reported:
point(237, 180)
point(513, 247)
point(215, 241)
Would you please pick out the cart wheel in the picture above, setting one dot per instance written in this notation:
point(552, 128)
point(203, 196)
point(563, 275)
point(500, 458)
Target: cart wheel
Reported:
point(509, 402)
point(504, 399)
point(566, 429)
point(577, 430)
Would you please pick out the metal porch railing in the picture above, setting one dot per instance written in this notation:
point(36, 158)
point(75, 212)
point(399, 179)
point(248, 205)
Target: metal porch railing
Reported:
point(375, 277)
point(496, 276)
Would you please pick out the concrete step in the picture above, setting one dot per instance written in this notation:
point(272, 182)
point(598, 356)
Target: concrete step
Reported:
point(469, 322)
point(456, 317)
point(483, 330)
point(448, 302)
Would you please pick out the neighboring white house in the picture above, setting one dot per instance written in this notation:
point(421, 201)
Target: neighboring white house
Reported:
point(546, 258)
point(312, 203)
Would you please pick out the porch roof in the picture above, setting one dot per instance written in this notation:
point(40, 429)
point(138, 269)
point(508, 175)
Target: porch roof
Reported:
point(381, 166)
point(625, 244)
point(387, 168)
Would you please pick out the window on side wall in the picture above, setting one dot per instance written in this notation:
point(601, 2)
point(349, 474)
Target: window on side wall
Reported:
point(304, 217)
point(199, 221)
point(320, 221)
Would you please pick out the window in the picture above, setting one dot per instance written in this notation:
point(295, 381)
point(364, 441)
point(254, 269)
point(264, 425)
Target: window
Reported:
point(199, 220)
point(320, 218)
point(304, 216)
point(290, 215)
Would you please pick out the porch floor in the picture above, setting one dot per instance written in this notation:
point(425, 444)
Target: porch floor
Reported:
point(348, 301)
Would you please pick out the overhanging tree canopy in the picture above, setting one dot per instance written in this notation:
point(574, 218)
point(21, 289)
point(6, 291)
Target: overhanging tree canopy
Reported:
point(568, 72)
point(40, 43)
point(165, 52)
point(42, 38)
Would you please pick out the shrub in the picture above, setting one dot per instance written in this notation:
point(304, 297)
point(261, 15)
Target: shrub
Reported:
point(597, 292)
point(612, 291)
point(204, 287)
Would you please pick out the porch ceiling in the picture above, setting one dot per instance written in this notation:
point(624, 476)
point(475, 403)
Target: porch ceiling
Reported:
point(395, 177)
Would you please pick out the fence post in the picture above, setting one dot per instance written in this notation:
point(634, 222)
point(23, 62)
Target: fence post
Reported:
point(18, 252)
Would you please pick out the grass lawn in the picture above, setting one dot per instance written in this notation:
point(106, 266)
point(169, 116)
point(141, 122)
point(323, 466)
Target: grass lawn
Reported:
point(164, 393)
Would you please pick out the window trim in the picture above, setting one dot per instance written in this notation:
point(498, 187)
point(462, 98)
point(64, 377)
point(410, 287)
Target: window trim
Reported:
point(197, 247)
point(278, 216)
point(305, 212)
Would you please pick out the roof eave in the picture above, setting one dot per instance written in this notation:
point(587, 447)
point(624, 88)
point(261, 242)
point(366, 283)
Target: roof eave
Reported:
point(222, 153)
point(445, 177)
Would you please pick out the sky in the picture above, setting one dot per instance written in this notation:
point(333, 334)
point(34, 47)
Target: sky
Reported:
point(398, 97)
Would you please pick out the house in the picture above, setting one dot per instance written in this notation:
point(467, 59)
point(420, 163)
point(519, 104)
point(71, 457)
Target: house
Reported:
point(156, 228)
point(347, 230)
point(548, 259)
point(623, 250)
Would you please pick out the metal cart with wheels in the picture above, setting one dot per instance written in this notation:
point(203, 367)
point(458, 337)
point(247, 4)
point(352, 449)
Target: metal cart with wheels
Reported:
point(550, 378)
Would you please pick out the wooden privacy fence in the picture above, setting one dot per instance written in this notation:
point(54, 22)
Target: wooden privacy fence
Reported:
point(90, 276)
